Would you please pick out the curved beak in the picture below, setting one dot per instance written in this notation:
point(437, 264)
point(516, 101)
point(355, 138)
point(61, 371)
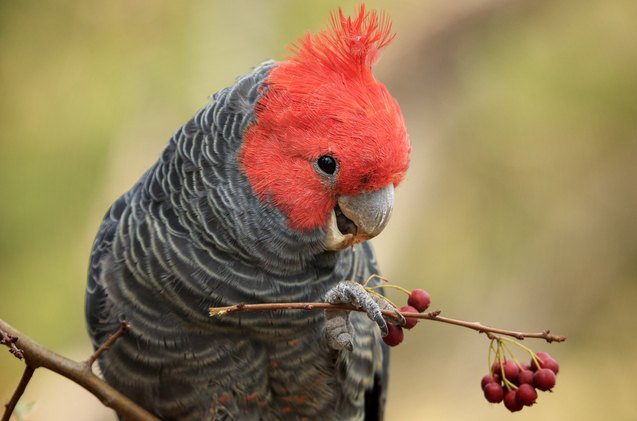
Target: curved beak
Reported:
point(358, 218)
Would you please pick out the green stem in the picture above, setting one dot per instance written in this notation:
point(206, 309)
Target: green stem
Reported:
point(527, 349)
point(406, 291)
point(381, 295)
point(511, 354)
point(492, 350)
point(370, 277)
point(508, 384)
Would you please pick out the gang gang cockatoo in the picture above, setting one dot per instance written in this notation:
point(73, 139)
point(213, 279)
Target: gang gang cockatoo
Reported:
point(269, 194)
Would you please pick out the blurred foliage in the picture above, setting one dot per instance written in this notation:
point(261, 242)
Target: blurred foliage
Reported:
point(519, 209)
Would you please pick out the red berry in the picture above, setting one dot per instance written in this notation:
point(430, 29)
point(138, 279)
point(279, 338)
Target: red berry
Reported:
point(493, 392)
point(496, 370)
point(546, 361)
point(419, 299)
point(488, 378)
point(525, 377)
point(394, 336)
point(551, 364)
point(409, 321)
point(544, 379)
point(511, 370)
point(526, 394)
point(497, 377)
point(511, 401)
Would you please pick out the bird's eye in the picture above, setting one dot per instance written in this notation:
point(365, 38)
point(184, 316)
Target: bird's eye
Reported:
point(327, 164)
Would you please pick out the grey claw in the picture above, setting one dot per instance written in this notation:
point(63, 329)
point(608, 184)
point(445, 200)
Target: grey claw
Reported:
point(383, 304)
point(401, 319)
point(350, 292)
point(346, 342)
point(338, 330)
point(382, 323)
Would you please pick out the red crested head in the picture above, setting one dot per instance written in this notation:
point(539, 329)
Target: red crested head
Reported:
point(325, 127)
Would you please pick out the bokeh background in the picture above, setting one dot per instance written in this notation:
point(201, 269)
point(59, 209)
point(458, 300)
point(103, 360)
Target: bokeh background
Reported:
point(519, 210)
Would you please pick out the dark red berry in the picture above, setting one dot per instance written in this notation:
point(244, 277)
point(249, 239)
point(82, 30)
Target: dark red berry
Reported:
point(546, 361)
point(497, 377)
point(544, 379)
point(493, 392)
point(511, 370)
point(542, 355)
point(526, 394)
point(496, 369)
point(525, 377)
point(419, 299)
point(511, 401)
point(394, 336)
point(488, 378)
point(551, 364)
point(409, 321)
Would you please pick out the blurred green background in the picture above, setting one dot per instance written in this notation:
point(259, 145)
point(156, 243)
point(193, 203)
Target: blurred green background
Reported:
point(519, 210)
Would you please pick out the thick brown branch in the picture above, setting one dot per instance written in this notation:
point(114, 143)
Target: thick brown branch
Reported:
point(37, 356)
point(433, 315)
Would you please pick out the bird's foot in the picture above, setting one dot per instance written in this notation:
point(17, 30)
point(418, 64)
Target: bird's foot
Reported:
point(338, 328)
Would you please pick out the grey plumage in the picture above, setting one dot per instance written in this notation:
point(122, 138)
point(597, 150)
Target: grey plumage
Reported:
point(191, 234)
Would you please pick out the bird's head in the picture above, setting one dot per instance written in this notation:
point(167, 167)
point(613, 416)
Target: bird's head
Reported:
point(329, 144)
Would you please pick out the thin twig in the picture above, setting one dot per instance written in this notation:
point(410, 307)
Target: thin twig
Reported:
point(220, 311)
point(37, 356)
point(19, 390)
point(107, 344)
point(433, 315)
point(488, 330)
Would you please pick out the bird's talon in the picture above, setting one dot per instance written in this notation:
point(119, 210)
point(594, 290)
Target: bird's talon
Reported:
point(350, 292)
point(401, 320)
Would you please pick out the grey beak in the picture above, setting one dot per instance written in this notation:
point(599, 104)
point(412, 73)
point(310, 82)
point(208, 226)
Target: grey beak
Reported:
point(359, 217)
point(370, 212)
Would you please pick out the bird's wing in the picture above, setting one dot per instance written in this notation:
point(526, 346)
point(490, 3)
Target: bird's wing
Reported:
point(99, 320)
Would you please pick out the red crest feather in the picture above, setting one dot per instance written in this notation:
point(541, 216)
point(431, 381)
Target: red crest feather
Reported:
point(351, 45)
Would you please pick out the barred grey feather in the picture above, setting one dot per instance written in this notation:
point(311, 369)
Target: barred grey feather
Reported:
point(190, 235)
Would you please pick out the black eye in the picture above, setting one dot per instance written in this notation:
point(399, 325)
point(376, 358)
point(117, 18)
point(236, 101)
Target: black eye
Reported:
point(327, 164)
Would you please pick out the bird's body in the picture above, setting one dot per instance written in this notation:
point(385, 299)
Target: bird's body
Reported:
point(195, 233)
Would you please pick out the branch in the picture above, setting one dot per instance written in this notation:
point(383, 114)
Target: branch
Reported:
point(489, 331)
point(37, 356)
point(433, 315)
point(24, 381)
point(10, 341)
point(107, 344)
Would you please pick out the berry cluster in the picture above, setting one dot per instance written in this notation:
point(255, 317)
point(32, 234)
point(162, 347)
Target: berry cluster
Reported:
point(515, 384)
point(509, 381)
point(418, 302)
